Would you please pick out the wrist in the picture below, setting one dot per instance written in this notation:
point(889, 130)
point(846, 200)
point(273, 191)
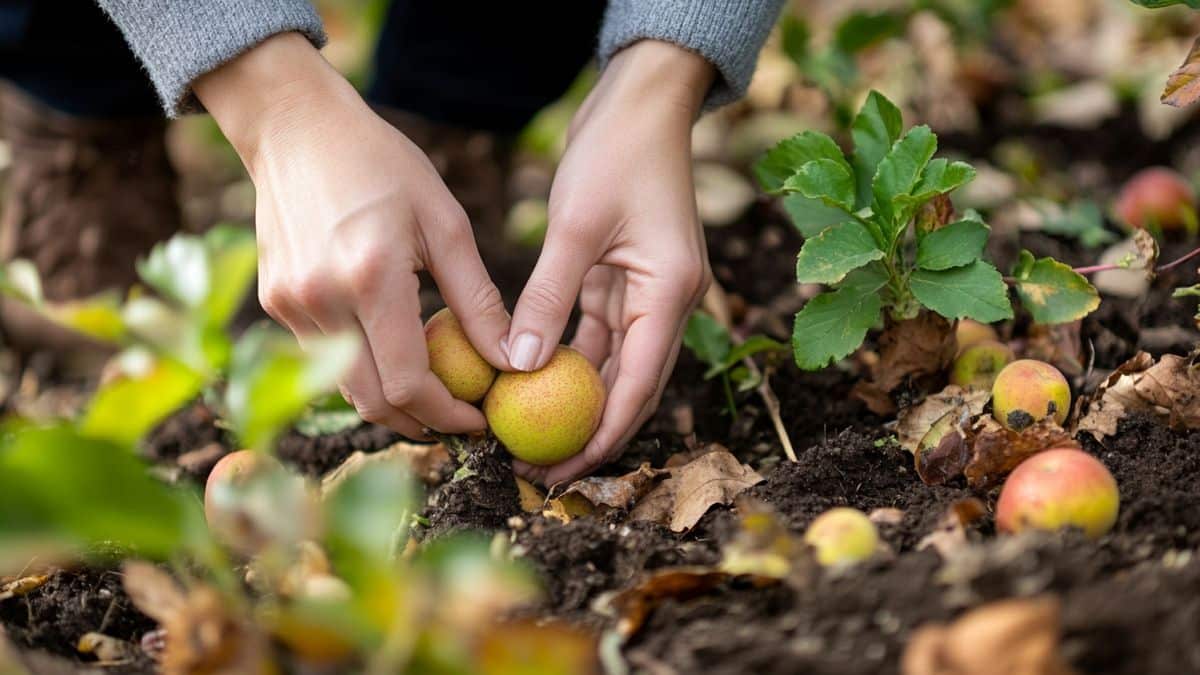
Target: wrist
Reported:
point(653, 73)
point(269, 89)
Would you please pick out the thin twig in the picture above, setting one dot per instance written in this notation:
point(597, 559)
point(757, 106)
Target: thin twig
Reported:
point(1158, 270)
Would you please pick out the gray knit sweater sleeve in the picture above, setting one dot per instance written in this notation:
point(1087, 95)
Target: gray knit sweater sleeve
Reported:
point(729, 33)
point(179, 40)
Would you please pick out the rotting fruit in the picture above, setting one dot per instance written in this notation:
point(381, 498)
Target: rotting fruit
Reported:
point(1059, 488)
point(977, 365)
point(1026, 391)
point(842, 536)
point(454, 360)
point(548, 415)
point(969, 332)
point(1156, 196)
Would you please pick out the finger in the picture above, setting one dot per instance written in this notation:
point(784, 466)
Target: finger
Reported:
point(545, 304)
point(391, 321)
point(458, 270)
point(648, 346)
point(592, 335)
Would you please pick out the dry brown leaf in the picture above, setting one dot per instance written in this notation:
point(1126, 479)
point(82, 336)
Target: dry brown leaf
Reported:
point(1183, 85)
point(908, 350)
point(1057, 344)
point(617, 492)
point(634, 604)
point(567, 508)
point(532, 498)
point(425, 459)
point(1000, 638)
point(713, 478)
point(995, 451)
point(914, 422)
point(950, 533)
point(22, 585)
point(1168, 389)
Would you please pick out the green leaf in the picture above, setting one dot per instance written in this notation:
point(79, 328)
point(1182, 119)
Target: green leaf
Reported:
point(1053, 292)
point(831, 255)
point(789, 155)
point(706, 338)
point(233, 263)
point(864, 29)
point(828, 180)
point(328, 416)
point(875, 129)
point(900, 169)
point(940, 177)
point(1081, 220)
point(954, 245)
point(755, 344)
point(207, 274)
point(56, 484)
point(146, 391)
point(369, 511)
point(834, 324)
point(795, 38)
point(272, 382)
point(1155, 4)
point(974, 291)
point(811, 216)
point(178, 269)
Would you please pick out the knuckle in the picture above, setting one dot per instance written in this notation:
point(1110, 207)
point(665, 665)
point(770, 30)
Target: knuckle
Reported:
point(310, 290)
point(485, 299)
point(271, 297)
point(400, 391)
point(370, 412)
point(364, 272)
point(545, 298)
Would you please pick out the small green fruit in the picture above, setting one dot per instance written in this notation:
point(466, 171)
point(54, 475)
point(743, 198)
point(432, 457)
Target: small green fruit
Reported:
point(1027, 391)
point(977, 366)
point(842, 536)
point(969, 332)
point(455, 362)
point(1059, 488)
point(548, 415)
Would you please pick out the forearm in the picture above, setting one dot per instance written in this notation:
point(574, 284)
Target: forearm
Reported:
point(727, 33)
point(180, 40)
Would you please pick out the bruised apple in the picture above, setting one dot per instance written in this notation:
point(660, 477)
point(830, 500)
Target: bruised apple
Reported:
point(842, 536)
point(1026, 391)
point(1056, 489)
point(454, 360)
point(547, 415)
point(1156, 196)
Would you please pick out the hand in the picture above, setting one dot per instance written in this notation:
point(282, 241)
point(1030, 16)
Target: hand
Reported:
point(624, 238)
point(348, 211)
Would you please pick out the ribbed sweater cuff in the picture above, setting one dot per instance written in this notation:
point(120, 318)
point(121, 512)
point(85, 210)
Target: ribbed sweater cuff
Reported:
point(178, 42)
point(729, 33)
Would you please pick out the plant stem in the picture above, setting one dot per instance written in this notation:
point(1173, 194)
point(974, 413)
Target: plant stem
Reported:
point(729, 395)
point(1115, 266)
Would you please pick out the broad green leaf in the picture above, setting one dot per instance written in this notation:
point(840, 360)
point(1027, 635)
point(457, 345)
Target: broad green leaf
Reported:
point(98, 317)
point(954, 245)
point(755, 344)
point(172, 331)
point(369, 511)
point(864, 29)
point(828, 180)
point(795, 37)
point(940, 177)
point(811, 216)
point(834, 324)
point(789, 155)
point(875, 129)
point(146, 391)
point(706, 338)
point(1155, 4)
point(272, 382)
point(974, 291)
point(328, 416)
point(233, 263)
point(1082, 220)
point(56, 483)
point(178, 269)
point(900, 169)
point(831, 255)
point(1054, 293)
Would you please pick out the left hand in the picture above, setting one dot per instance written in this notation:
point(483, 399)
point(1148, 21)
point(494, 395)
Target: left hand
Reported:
point(624, 237)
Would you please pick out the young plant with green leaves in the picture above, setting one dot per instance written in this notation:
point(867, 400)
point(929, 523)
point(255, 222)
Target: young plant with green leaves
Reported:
point(877, 233)
point(714, 346)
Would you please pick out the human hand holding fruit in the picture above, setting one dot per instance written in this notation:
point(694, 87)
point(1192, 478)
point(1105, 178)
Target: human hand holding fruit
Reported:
point(348, 211)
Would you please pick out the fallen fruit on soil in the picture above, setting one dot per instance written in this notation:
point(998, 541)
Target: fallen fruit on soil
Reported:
point(1156, 196)
point(1059, 488)
point(220, 507)
point(454, 360)
point(977, 365)
point(1026, 391)
point(969, 332)
point(548, 415)
point(842, 536)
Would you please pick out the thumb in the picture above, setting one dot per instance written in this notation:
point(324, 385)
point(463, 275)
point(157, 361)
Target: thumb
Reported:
point(545, 304)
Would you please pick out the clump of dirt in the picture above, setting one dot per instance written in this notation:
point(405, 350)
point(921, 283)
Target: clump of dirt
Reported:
point(317, 455)
point(72, 603)
point(483, 496)
point(190, 429)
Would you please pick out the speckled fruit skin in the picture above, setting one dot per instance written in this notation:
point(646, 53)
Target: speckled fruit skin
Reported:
point(977, 365)
point(1156, 196)
point(842, 536)
point(548, 415)
point(452, 358)
point(234, 469)
point(1027, 391)
point(969, 332)
point(1056, 489)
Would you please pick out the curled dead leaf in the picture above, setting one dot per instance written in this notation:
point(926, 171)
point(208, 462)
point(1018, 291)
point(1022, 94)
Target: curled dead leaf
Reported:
point(617, 492)
point(15, 588)
point(943, 452)
point(632, 605)
point(1183, 85)
point(908, 351)
point(950, 533)
point(715, 477)
point(426, 461)
point(996, 451)
point(914, 422)
point(532, 498)
point(1003, 637)
point(1168, 389)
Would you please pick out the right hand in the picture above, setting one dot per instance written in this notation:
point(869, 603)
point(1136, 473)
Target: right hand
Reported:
point(348, 211)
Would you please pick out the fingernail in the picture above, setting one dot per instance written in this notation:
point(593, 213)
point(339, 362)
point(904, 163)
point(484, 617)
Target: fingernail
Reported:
point(525, 350)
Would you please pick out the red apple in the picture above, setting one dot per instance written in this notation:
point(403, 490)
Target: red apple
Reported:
point(1156, 196)
point(1059, 488)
